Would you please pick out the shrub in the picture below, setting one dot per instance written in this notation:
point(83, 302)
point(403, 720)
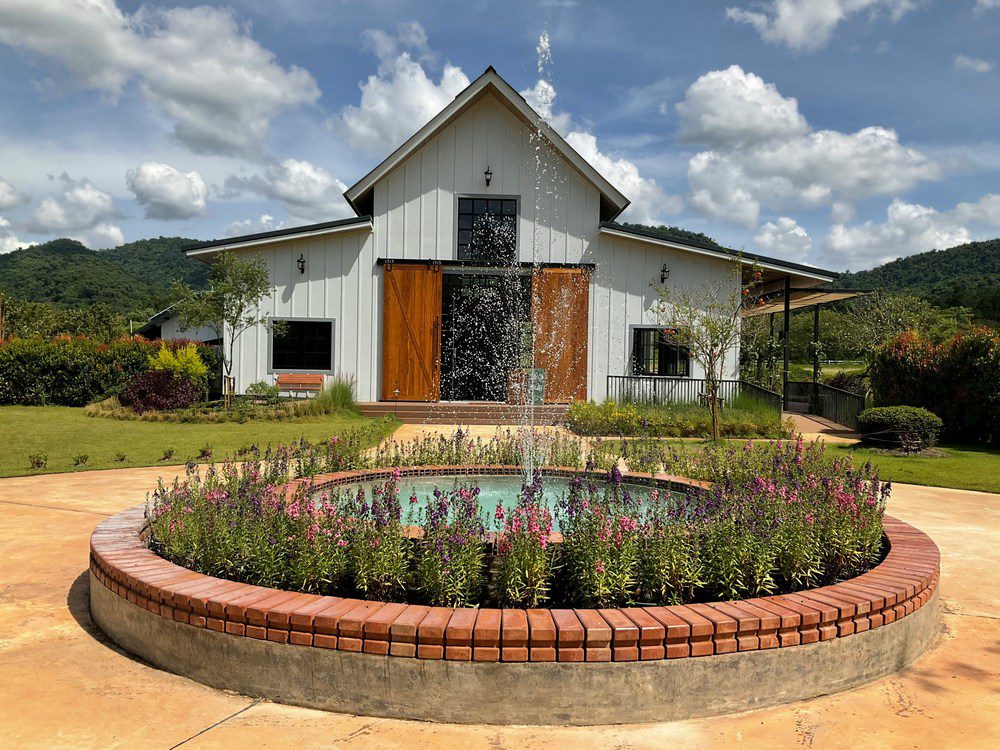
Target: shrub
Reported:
point(956, 380)
point(168, 453)
point(339, 394)
point(852, 382)
point(451, 561)
point(120, 457)
point(746, 417)
point(38, 460)
point(80, 459)
point(184, 362)
point(378, 550)
point(523, 561)
point(263, 391)
point(159, 390)
point(910, 427)
point(71, 371)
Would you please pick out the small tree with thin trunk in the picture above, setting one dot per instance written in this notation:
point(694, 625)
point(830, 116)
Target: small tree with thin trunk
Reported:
point(706, 320)
point(230, 305)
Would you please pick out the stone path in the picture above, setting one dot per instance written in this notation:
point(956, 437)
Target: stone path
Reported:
point(64, 685)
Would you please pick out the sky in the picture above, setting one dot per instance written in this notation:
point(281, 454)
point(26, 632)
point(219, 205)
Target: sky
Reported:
point(839, 133)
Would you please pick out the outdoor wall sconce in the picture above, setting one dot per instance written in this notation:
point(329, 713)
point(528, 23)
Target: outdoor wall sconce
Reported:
point(301, 263)
point(664, 274)
point(488, 174)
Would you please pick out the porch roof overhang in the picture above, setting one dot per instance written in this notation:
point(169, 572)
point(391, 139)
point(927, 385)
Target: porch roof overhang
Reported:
point(774, 302)
point(206, 250)
point(773, 268)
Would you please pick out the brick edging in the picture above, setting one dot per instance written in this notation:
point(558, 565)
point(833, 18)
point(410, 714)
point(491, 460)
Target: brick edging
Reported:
point(902, 583)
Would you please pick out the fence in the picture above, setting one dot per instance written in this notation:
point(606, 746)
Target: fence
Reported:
point(837, 405)
point(644, 389)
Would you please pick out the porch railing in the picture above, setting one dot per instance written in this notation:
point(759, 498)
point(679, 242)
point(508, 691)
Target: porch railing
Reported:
point(836, 404)
point(645, 389)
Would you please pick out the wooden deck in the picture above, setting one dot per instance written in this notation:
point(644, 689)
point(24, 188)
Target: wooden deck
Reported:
point(462, 412)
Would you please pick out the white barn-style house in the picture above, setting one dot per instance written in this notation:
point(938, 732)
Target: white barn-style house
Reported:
point(375, 296)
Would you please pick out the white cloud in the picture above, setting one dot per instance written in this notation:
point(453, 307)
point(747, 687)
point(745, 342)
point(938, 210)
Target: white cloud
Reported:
point(79, 211)
point(984, 5)
point(784, 237)
point(199, 66)
point(264, 223)
point(167, 193)
point(974, 64)
point(911, 228)
point(649, 202)
point(841, 212)
point(809, 24)
point(770, 157)
point(11, 197)
point(307, 192)
point(8, 240)
point(732, 107)
point(401, 97)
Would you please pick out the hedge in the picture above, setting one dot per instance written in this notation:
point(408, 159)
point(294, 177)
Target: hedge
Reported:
point(957, 380)
point(74, 371)
point(906, 426)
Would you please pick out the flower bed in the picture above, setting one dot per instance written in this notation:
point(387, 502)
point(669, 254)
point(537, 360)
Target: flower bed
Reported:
point(789, 521)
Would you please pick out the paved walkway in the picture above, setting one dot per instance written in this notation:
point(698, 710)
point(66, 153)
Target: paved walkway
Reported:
point(64, 685)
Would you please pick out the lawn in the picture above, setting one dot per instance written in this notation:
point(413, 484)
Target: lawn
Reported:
point(64, 432)
point(964, 467)
point(804, 370)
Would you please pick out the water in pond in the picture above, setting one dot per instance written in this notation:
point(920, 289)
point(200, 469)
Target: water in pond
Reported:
point(493, 490)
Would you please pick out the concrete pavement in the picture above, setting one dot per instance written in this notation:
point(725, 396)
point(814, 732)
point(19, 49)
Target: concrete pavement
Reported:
point(65, 685)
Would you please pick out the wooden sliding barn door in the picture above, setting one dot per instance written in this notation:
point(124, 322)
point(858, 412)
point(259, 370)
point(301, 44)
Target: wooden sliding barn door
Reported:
point(560, 307)
point(411, 333)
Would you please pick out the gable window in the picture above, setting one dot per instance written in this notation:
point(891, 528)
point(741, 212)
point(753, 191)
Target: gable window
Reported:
point(302, 345)
point(654, 353)
point(487, 230)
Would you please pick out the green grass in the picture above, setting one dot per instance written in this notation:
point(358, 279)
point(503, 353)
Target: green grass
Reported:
point(963, 467)
point(804, 370)
point(64, 432)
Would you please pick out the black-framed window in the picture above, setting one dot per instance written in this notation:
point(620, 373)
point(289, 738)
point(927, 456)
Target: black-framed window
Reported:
point(487, 229)
point(302, 345)
point(655, 353)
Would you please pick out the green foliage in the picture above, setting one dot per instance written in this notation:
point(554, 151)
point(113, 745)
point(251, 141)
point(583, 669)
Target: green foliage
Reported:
point(378, 550)
point(44, 320)
point(263, 392)
point(133, 278)
point(957, 380)
point(38, 460)
point(231, 304)
point(80, 459)
point(524, 560)
point(339, 394)
point(450, 559)
point(910, 427)
point(746, 417)
point(68, 371)
point(183, 362)
point(684, 235)
point(962, 276)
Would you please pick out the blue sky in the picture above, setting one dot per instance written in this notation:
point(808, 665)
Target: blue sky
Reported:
point(836, 132)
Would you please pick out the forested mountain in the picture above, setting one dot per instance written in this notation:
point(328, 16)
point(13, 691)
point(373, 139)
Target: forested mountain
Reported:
point(967, 275)
point(131, 278)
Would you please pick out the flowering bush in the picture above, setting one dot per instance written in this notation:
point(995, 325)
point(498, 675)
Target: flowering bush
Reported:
point(523, 567)
point(451, 559)
point(778, 517)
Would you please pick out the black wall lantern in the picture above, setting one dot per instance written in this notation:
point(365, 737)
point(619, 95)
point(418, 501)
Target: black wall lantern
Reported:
point(488, 174)
point(301, 263)
point(664, 274)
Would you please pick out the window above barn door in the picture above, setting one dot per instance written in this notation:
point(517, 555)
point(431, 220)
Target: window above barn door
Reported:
point(487, 230)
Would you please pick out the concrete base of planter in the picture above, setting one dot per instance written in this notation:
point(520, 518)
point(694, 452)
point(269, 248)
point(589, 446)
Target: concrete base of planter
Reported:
point(481, 693)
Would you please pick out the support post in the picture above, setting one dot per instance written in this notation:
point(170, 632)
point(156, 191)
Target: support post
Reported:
point(770, 353)
point(786, 349)
point(815, 394)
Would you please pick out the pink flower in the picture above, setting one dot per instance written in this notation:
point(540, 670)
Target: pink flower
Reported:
point(599, 567)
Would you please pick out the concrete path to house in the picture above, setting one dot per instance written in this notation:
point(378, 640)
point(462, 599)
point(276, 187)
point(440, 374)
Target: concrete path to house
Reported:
point(64, 685)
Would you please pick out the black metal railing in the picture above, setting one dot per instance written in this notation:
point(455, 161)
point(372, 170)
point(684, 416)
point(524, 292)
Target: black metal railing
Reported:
point(648, 389)
point(835, 404)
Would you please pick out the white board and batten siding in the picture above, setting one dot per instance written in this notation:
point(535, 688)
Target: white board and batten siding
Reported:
point(415, 217)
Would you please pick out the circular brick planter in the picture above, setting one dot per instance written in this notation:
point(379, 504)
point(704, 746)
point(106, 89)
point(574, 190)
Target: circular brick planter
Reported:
point(514, 666)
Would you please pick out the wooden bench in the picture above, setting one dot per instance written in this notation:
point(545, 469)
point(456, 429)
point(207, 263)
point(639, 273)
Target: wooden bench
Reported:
point(300, 382)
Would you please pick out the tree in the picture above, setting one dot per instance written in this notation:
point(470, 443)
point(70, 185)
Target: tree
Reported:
point(230, 305)
point(707, 320)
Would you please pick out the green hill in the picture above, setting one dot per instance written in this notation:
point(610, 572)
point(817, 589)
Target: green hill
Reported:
point(131, 278)
point(966, 275)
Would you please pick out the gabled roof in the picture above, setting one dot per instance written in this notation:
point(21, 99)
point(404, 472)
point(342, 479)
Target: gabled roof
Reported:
point(703, 248)
point(292, 233)
point(359, 195)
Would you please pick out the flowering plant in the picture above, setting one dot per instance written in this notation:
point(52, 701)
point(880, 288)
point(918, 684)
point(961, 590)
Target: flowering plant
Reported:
point(379, 551)
point(451, 559)
point(524, 555)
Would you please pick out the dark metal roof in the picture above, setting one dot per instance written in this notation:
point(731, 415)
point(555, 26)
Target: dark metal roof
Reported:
point(279, 233)
point(718, 249)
